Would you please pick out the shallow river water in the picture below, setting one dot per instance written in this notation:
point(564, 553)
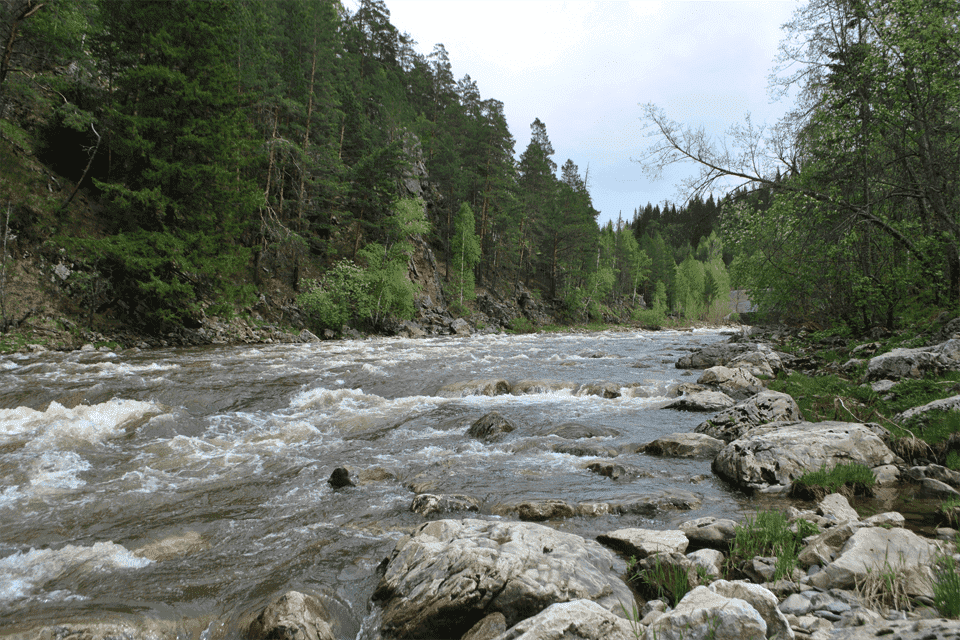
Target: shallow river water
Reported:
point(190, 485)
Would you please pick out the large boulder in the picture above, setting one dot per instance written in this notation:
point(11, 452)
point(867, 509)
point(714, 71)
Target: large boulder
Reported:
point(761, 599)
point(738, 383)
point(702, 401)
point(683, 445)
point(449, 574)
point(713, 355)
point(763, 408)
point(704, 613)
point(914, 363)
point(580, 619)
point(876, 551)
point(767, 457)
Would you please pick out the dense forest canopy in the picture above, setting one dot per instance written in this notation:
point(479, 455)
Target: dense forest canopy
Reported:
point(224, 139)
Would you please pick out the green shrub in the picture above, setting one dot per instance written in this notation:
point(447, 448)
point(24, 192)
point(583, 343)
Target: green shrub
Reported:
point(521, 325)
point(340, 297)
point(849, 479)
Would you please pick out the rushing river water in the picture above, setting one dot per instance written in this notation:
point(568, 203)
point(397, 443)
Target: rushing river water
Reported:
point(191, 484)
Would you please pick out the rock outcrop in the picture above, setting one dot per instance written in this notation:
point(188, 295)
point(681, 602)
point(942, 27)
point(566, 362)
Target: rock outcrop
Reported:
point(762, 408)
point(449, 574)
point(778, 456)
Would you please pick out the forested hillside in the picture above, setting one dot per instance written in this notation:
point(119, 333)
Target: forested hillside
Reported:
point(216, 143)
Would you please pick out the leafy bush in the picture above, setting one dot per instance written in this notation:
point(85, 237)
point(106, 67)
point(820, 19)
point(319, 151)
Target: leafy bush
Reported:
point(341, 296)
point(521, 325)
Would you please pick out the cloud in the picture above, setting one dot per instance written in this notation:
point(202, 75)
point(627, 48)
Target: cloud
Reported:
point(584, 69)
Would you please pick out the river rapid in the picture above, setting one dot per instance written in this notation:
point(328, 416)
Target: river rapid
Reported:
point(190, 485)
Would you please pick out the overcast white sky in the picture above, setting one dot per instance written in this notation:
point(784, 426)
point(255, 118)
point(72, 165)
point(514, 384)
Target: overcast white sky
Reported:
point(584, 69)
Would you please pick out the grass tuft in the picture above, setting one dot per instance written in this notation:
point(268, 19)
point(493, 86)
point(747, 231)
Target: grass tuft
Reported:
point(850, 480)
point(769, 533)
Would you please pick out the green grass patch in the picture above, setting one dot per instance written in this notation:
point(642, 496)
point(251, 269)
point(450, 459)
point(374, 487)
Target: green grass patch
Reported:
point(847, 479)
point(766, 534)
point(946, 587)
point(662, 581)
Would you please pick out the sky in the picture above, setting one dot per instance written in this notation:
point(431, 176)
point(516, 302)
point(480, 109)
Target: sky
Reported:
point(586, 68)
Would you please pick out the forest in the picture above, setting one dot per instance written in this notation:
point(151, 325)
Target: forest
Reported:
point(233, 138)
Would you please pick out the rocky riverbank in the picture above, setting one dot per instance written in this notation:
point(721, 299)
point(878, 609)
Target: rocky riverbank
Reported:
point(476, 578)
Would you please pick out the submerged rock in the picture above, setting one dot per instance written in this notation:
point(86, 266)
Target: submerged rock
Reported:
point(490, 428)
point(490, 387)
point(427, 503)
point(340, 478)
point(526, 387)
point(683, 445)
point(538, 510)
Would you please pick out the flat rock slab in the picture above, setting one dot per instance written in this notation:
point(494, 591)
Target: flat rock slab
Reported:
point(683, 445)
point(938, 628)
point(709, 532)
point(580, 619)
point(450, 574)
point(780, 456)
point(702, 401)
point(641, 543)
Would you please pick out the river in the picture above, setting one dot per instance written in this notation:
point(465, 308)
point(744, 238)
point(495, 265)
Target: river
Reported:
point(191, 484)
